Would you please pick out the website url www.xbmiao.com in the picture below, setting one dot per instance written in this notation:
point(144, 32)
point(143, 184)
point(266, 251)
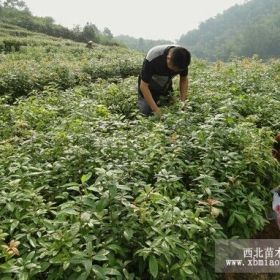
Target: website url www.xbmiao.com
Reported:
point(253, 262)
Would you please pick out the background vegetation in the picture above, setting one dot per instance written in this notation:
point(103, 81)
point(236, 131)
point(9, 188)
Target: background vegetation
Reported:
point(16, 12)
point(242, 31)
point(140, 44)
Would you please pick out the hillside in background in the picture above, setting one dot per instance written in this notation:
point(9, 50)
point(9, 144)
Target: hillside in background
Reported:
point(140, 44)
point(243, 30)
point(15, 12)
point(31, 61)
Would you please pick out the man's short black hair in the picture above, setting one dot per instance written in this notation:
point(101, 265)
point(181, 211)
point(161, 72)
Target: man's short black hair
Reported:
point(180, 57)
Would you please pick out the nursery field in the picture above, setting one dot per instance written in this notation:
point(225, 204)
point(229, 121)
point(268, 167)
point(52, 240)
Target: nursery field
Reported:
point(90, 189)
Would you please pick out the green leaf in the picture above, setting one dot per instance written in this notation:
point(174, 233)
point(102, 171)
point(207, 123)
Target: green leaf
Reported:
point(66, 265)
point(115, 248)
point(98, 271)
point(83, 276)
point(30, 256)
point(102, 204)
point(10, 207)
point(88, 266)
point(126, 274)
point(68, 211)
point(124, 188)
point(90, 201)
point(44, 266)
point(23, 276)
point(231, 220)
point(68, 185)
point(13, 226)
point(74, 188)
point(208, 191)
point(75, 228)
point(112, 271)
point(79, 258)
point(86, 177)
point(153, 266)
point(128, 233)
point(101, 255)
point(31, 241)
point(240, 218)
point(187, 271)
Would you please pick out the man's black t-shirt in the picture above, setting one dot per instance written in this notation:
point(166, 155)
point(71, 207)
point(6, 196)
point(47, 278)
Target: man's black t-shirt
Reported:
point(155, 71)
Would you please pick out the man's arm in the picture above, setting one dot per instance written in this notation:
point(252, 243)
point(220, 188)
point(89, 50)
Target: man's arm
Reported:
point(144, 87)
point(183, 85)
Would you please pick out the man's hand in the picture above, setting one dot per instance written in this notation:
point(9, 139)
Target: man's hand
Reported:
point(158, 113)
point(183, 105)
point(144, 87)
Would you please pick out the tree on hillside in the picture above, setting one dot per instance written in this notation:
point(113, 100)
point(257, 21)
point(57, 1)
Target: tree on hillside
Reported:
point(107, 32)
point(141, 44)
point(48, 20)
point(17, 4)
point(90, 32)
point(77, 31)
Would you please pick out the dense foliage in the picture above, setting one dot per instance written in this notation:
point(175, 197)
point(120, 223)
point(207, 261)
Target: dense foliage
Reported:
point(243, 30)
point(89, 189)
point(140, 44)
point(63, 63)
